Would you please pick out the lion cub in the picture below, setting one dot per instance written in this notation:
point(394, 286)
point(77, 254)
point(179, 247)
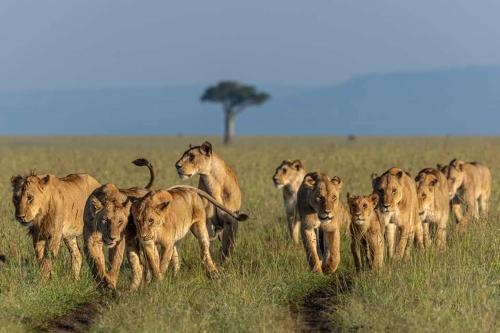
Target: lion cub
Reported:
point(288, 177)
point(164, 217)
point(319, 207)
point(52, 209)
point(367, 237)
point(433, 204)
point(218, 180)
point(470, 183)
point(398, 209)
point(108, 223)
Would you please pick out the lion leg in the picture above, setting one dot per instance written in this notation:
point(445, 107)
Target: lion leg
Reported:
point(95, 256)
point(39, 246)
point(426, 234)
point(200, 232)
point(332, 250)
point(228, 237)
point(441, 237)
point(419, 236)
point(356, 251)
point(151, 254)
point(76, 256)
point(175, 261)
point(484, 204)
point(295, 231)
point(116, 254)
point(51, 250)
point(166, 257)
point(404, 234)
point(456, 208)
point(132, 250)
point(309, 242)
point(390, 235)
point(375, 243)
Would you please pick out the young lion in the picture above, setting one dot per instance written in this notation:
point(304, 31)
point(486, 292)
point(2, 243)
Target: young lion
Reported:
point(289, 176)
point(398, 208)
point(433, 204)
point(165, 216)
point(367, 237)
point(469, 182)
point(107, 222)
point(52, 209)
point(319, 206)
point(218, 180)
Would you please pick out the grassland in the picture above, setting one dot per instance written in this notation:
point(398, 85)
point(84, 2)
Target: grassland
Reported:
point(268, 279)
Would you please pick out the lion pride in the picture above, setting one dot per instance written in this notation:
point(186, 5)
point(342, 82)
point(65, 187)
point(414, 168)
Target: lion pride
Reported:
point(52, 209)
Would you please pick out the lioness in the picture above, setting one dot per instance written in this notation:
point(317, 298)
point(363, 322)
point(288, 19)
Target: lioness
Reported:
point(398, 208)
point(470, 183)
point(433, 204)
point(367, 237)
point(319, 206)
point(108, 222)
point(289, 176)
point(218, 180)
point(164, 217)
point(52, 209)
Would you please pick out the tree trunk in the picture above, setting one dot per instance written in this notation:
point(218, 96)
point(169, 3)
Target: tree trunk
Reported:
point(229, 126)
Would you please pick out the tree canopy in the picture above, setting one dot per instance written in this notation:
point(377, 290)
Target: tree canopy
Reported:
point(234, 96)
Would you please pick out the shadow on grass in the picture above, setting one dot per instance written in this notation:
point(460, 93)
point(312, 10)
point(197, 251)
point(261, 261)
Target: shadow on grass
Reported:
point(313, 314)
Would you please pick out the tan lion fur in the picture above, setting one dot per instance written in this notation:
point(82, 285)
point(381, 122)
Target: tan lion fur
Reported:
point(52, 209)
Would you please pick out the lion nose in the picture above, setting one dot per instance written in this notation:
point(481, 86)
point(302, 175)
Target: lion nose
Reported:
point(386, 205)
point(21, 217)
point(113, 238)
point(178, 165)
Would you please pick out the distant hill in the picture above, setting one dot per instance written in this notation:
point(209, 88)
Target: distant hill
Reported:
point(452, 101)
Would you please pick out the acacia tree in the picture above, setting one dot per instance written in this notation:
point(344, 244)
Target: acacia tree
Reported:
point(235, 98)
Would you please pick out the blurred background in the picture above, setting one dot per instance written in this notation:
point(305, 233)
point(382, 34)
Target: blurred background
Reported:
point(122, 67)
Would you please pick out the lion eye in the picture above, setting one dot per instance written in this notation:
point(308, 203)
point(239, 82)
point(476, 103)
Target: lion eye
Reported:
point(30, 198)
point(150, 221)
point(334, 197)
point(284, 170)
point(394, 191)
point(191, 157)
point(365, 206)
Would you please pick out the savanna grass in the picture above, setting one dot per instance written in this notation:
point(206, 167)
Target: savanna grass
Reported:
point(455, 291)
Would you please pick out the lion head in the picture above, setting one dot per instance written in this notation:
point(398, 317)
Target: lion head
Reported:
point(455, 176)
point(389, 188)
point(149, 213)
point(427, 181)
point(195, 160)
point(111, 211)
point(288, 172)
point(362, 208)
point(323, 195)
point(29, 196)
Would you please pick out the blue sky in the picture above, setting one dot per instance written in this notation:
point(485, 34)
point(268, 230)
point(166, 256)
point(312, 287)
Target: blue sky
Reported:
point(52, 45)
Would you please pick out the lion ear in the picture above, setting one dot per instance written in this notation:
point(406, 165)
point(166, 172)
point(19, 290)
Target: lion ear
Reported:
point(400, 174)
point(337, 181)
point(163, 206)
point(297, 164)
point(96, 203)
point(206, 148)
point(14, 180)
point(309, 179)
point(374, 199)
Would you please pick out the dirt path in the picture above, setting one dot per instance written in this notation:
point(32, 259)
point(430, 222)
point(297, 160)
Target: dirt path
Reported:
point(77, 320)
point(313, 314)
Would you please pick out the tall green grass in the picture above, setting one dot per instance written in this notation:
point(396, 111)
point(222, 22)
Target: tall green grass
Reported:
point(454, 291)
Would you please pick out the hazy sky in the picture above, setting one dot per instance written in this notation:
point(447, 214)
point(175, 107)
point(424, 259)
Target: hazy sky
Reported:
point(97, 43)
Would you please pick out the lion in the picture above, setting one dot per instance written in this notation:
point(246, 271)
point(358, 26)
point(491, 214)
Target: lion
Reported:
point(468, 183)
point(52, 210)
point(433, 204)
point(218, 180)
point(319, 207)
point(289, 176)
point(164, 217)
point(108, 223)
point(398, 209)
point(367, 237)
